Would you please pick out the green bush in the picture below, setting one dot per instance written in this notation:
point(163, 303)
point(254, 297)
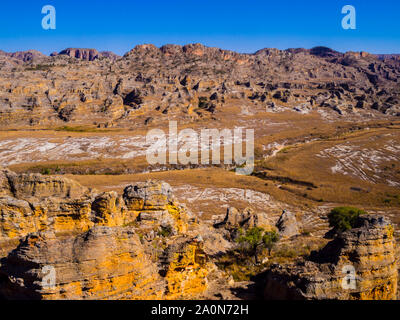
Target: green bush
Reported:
point(39, 67)
point(203, 103)
point(256, 239)
point(269, 240)
point(344, 218)
point(46, 171)
point(165, 231)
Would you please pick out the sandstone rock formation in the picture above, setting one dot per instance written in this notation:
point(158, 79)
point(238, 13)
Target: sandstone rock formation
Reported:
point(141, 245)
point(193, 81)
point(359, 264)
point(246, 219)
point(86, 54)
point(288, 225)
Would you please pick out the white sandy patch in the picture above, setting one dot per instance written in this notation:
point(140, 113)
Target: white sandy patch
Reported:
point(364, 163)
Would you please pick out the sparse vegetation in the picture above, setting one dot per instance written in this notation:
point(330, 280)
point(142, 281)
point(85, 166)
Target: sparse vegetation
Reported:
point(46, 171)
point(203, 102)
point(165, 231)
point(39, 67)
point(344, 218)
point(80, 129)
point(254, 240)
point(239, 266)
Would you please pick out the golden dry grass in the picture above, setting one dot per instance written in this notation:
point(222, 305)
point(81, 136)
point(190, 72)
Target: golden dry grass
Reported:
point(301, 163)
point(297, 161)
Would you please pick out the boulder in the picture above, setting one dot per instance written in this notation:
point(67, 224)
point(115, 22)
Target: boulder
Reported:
point(150, 195)
point(37, 185)
point(287, 224)
point(248, 218)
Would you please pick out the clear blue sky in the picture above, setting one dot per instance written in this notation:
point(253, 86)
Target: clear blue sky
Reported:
point(244, 26)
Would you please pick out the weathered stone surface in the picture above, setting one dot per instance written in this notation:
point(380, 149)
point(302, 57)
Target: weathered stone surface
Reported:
point(184, 264)
point(109, 209)
point(104, 263)
point(246, 219)
point(32, 203)
point(368, 249)
point(142, 245)
point(35, 185)
point(149, 195)
point(25, 56)
point(288, 225)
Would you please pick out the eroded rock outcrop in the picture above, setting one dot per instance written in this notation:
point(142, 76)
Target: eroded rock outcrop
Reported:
point(86, 54)
point(80, 86)
point(288, 225)
point(246, 219)
point(139, 245)
point(103, 263)
point(25, 56)
point(359, 264)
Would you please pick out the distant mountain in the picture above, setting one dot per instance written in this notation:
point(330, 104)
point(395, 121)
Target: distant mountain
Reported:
point(389, 56)
point(86, 54)
point(25, 56)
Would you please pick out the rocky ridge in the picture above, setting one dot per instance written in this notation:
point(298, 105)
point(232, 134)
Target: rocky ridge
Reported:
point(86, 54)
point(192, 81)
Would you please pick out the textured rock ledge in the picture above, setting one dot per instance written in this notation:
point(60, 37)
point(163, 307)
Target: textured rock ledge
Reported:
point(369, 249)
point(141, 245)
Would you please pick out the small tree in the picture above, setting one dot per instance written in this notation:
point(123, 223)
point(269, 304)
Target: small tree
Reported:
point(269, 240)
point(344, 218)
point(255, 239)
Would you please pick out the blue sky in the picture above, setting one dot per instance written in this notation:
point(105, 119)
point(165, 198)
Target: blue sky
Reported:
point(244, 26)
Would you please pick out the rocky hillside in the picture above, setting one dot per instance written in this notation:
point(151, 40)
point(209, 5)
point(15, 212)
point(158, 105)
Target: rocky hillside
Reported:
point(83, 86)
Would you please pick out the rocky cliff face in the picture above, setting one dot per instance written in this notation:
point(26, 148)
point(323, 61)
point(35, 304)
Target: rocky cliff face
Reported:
point(141, 245)
point(86, 54)
point(359, 264)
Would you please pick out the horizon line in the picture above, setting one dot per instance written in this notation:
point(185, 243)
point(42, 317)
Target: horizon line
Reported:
point(193, 43)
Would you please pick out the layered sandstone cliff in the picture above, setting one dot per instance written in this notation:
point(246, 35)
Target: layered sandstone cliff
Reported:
point(359, 264)
point(139, 245)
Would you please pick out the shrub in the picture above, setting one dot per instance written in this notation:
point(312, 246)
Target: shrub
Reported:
point(39, 67)
point(344, 218)
point(255, 239)
point(203, 103)
point(46, 171)
point(269, 240)
point(165, 231)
